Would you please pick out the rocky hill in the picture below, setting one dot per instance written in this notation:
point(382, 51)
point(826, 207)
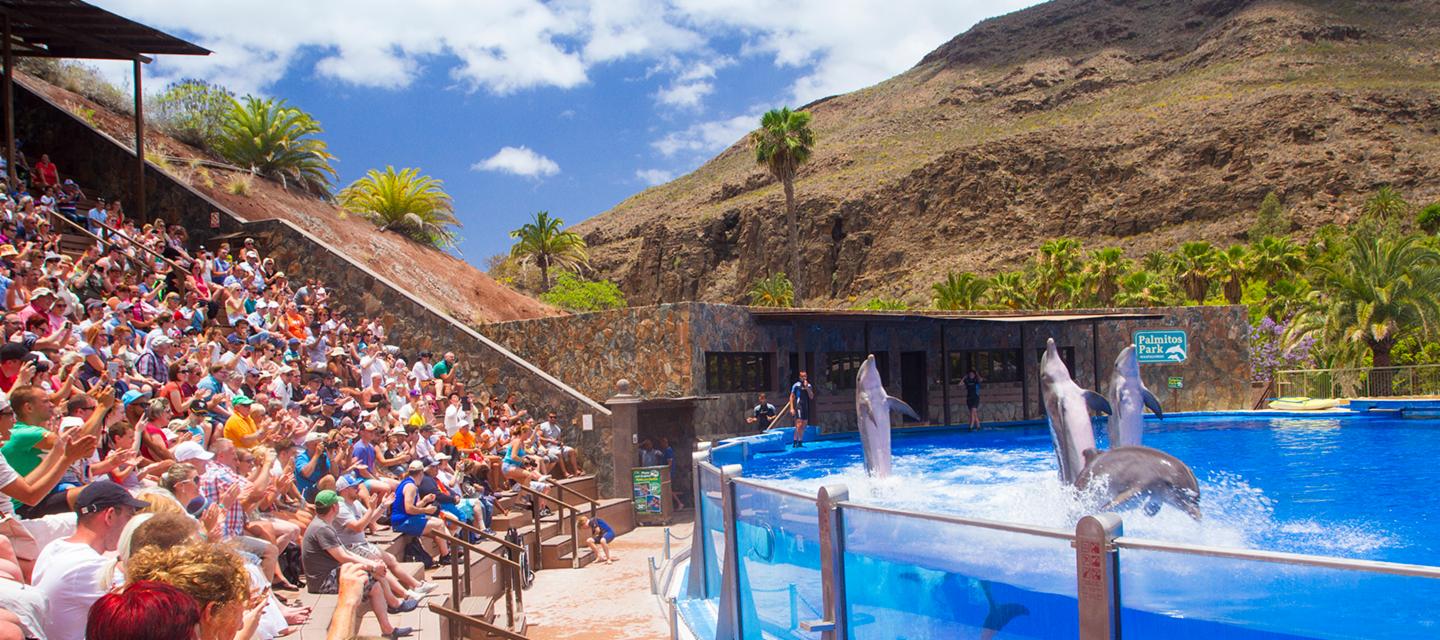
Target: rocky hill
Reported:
point(1132, 123)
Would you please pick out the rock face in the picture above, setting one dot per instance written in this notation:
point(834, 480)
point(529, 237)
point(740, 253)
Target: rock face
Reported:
point(1132, 123)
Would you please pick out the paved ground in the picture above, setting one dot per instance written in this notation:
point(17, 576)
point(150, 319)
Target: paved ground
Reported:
point(601, 602)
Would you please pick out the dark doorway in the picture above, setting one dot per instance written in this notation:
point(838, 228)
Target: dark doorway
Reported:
point(912, 383)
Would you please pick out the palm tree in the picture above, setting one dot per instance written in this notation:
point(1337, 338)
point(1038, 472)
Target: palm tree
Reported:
point(1010, 290)
point(1143, 289)
point(277, 141)
point(544, 241)
point(1387, 204)
point(783, 143)
point(774, 291)
point(1382, 289)
point(1194, 266)
point(1284, 298)
point(1054, 261)
point(1232, 265)
point(1157, 262)
point(405, 201)
point(1273, 258)
point(960, 291)
point(1073, 292)
point(1105, 269)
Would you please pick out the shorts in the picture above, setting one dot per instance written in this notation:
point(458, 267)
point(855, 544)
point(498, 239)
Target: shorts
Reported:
point(506, 468)
point(558, 450)
point(605, 537)
point(972, 402)
point(802, 413)
point(251, 545)
point(366, 550)
point(411, 526)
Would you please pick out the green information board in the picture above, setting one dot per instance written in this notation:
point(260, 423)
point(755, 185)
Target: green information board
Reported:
point(649, 490)
point(1177, 382)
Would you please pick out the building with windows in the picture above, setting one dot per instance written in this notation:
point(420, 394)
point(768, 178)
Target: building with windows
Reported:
point(697, 368)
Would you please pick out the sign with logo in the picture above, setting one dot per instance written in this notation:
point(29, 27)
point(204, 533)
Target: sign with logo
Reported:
point(649, 489)
point(1177, 382)
point(1158, 346)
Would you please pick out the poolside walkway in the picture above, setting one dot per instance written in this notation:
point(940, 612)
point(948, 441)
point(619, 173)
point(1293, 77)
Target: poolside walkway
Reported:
point(601, 602)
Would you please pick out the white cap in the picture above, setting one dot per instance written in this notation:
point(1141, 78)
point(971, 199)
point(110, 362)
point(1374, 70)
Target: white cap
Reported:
point(191, 451)
point(70, 422)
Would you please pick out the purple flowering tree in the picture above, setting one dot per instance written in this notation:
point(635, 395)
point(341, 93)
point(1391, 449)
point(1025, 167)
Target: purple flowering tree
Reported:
point(1272, 349)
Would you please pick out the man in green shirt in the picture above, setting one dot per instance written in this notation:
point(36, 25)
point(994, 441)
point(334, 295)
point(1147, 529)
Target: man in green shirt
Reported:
point(444, 371)
point(28, 441)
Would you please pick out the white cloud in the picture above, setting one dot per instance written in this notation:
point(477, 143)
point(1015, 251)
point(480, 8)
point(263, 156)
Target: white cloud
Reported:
point(652, 177)
point(520, 161)
point(707, 137)
point(692, 83)
point(687, 94)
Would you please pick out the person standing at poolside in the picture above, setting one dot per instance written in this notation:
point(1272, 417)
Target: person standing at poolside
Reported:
point(802, 396)
point(972, 382)
point(763, 414)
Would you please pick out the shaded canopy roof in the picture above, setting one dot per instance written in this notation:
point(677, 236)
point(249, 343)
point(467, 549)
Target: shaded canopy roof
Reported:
point(75, 29)
point(788, 315)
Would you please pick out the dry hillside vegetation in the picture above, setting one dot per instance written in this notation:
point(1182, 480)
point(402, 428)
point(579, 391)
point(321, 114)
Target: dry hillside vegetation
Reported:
point(1139, 124)
point(439, 279)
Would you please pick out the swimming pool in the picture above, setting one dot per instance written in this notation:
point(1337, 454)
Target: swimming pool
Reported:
point(1351, 487)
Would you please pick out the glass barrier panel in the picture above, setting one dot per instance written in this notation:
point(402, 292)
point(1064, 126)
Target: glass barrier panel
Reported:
point(1180, 596)
point(911, 577)
point(779, 550)
point(712, 539)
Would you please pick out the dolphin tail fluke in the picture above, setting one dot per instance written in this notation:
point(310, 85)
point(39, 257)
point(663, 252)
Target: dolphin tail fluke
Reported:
point(1152, 403)
point(1097, 403)
point(999, 615)
point(899, 405)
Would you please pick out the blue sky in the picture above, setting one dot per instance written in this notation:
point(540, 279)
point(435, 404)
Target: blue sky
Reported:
point(566, 106)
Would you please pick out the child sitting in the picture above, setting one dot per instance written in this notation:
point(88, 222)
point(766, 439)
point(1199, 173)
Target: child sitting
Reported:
point(599, 539)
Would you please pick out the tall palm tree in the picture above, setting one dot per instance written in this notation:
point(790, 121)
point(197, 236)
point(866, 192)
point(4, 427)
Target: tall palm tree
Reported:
point(772, 291)
point(1143, 289)
point(1157, 262)
point(1105, 268)
point(278, 141)
point(545, 242)
point(405, 201)
point(783, 142)
point(1284, 298)
point(1010, 290)
point(1387, 204)
point(1232, 266)
point(1194, 266)
point(1273, 258)
point(1383, 288)
point(960, 291)
point(1054, 261)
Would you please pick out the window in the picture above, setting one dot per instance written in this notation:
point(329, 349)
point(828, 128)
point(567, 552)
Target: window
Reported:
point(997, 365)
point(737, 372)
point(843, 366)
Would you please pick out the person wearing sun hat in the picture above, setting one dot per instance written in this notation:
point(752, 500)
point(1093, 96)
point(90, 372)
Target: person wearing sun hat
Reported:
point(241, 428)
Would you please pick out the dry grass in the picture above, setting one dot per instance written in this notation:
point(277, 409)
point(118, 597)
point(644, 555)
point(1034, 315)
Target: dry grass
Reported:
point(240, 184)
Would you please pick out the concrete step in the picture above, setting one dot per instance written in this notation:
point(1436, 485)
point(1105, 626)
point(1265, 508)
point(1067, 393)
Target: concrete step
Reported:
point(555, 553)
point(585, 485)
point(490, 609)
point(413, 569)
point(515, 518)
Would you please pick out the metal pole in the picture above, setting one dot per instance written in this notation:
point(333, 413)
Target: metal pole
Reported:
point(1097, 570)
point(139, 146)
point(9, 91)
point(944, 373)
point(667, 543)
point(832, 563)
point(653, 588)
point(695, 588)
point(674, 616)
point(729, 623)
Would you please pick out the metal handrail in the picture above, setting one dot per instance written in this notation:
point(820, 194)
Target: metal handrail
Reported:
point(513, 599)
point(464, 620)
point(488, 554)
point(488, 536)
point(148, 267)
point(1044, 532)
point(1280, 557)
point(140, 245)
point(594, 504)
point(535, 499)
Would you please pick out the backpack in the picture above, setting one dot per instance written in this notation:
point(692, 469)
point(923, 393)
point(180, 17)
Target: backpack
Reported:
point(290, 566)
point(527, 576)
point(415, 552)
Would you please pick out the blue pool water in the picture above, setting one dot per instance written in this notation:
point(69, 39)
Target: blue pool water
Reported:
point(1355, 487)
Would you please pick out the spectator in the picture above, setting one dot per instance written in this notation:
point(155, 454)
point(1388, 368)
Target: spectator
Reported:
point(598, 539)
point(323, 555)
point(354, 517)
point(46, 173)
point(413, 515)
point(67, 571)
point(144, 610)
point(550, 436)
point(211, 574)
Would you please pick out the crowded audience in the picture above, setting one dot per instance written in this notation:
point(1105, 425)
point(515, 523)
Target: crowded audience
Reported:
point(189, 434)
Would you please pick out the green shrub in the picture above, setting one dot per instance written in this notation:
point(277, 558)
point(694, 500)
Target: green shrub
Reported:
point(239, 184)
point(574, 293)
point(82, 79)
point(191, 111)
point(772, 291)
point(1271, 219)
point(277, 141)
point(884, 304)
point(1429, 218)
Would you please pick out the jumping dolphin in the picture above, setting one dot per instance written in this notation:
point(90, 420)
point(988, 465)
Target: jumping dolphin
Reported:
point(1142, 473)
point(872, 416)
point(1068, 408)
point(1128, 398)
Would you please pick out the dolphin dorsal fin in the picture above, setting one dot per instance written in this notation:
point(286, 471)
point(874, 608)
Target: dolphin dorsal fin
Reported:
point(899, 405)
point(1152, 403)
point(1097, 402)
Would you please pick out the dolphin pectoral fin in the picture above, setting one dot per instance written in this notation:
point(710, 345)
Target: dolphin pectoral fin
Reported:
point(1152, 403)
point(899, 405)
point(1121, 498)
point(1097, 403)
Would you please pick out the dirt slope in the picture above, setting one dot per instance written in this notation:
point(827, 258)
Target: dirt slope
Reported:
point(1136, 123)
point(441, 280)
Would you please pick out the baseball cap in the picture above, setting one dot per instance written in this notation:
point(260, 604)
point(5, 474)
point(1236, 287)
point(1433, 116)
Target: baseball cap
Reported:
point(70, 422)
point(98, 496)
point(241, 400)
point(13, 351)
point(191, 451)
point(416, 465)
point(131, 396)
point(314, 436)
point(327, 498)
point(348, 481)
point(41, 292)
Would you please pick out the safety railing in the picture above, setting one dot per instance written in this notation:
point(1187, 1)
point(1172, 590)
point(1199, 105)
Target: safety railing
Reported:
point(1355, 382)
point(459, 621)
point(512, 587)
point(565, 513)
point(777, 563)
